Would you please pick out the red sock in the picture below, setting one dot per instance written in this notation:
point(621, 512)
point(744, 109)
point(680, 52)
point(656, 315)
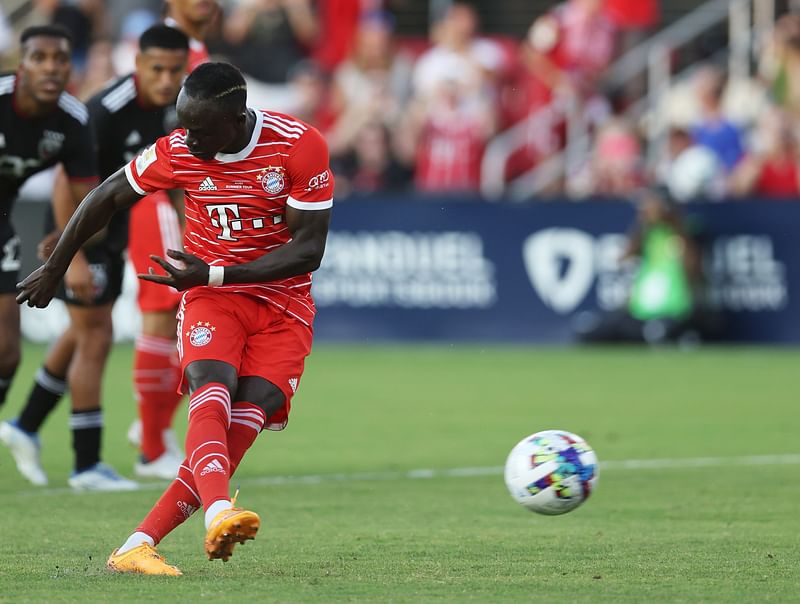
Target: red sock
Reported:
point(172, 402)
point(181, 499)
point(207, 442)
point(155, 381)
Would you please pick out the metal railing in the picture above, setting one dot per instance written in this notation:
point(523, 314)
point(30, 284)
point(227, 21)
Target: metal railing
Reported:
point(750, 24)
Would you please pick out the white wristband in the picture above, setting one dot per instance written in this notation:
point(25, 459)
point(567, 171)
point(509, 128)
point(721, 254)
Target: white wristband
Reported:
point(216, 275)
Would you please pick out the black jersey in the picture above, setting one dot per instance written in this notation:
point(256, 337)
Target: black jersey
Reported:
point(122, 127)
point(30, 145)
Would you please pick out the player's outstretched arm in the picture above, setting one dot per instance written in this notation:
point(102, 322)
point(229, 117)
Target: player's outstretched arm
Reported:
point(302, 254)
point(94, 212)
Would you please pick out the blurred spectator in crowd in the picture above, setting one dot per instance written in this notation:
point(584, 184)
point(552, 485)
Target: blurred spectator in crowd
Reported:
point(370, 166)
point(693, 171)
point(562, 59)
point(665, 302)
point(444, 135)
point(372, 85)
point(195, 18)
point(771, 170)
point(338, 21)
point(713, 129)
point(457, 54)
point(566, 52)
point(267, 38)
point(615, 167)
point(780, 63)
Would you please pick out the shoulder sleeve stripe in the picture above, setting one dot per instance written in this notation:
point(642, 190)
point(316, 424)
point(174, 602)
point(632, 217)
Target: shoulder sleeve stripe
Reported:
point(283, 133)
point(283, 120)
point(269, 119)
point(74, 107)
point(120, 96)
point(132, 181)
point(309, 205)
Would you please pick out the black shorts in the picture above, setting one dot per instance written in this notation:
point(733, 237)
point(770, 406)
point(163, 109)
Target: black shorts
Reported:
point(108, 269)
point(9, 260)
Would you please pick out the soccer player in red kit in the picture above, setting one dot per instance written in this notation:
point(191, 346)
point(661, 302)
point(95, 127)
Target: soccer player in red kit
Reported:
point(154, 224)
point(258, 195)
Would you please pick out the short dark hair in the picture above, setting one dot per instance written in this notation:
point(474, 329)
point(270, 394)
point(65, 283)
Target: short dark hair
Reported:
point(163, 36)
point(217, 82)
point(50, 31)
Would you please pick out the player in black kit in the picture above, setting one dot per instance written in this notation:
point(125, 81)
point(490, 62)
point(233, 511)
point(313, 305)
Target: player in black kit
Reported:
point(40, 126)
point(126, 116)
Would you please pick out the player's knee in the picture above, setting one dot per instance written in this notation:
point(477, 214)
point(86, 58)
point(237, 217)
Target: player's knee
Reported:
point(95, 342)
point(261, 392)
point(200, 373)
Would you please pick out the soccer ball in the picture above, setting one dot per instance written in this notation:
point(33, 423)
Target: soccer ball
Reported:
point(551, 472)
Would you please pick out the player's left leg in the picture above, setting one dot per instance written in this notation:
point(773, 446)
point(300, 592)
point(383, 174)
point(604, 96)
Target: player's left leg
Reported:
point(256, 398)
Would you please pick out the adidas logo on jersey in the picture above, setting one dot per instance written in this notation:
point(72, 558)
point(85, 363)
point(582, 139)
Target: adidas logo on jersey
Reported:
point(293, 384)
point(207, 185)
point(213, 466)
point(186, 509)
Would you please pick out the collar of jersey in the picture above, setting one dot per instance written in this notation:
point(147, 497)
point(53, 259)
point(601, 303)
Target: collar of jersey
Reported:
point(229, 157)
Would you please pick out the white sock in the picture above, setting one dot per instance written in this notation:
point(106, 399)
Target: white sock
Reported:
point(215, 508)
point(135, 540)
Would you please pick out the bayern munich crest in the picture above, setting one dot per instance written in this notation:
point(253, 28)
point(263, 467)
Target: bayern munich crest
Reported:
point(272, 180)
point(200, 333)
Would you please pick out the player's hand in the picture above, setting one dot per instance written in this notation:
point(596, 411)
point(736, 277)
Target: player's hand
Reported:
point(193, 273)
point(38, 288)
point(47, 245)
point(78, 280)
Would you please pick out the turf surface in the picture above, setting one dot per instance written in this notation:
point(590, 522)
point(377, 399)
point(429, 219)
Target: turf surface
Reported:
point(354, 525)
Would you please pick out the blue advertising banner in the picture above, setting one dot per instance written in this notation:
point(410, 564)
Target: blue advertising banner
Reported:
point(466, 271)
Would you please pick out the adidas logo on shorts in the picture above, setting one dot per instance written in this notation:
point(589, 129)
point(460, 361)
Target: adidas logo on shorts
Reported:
point(207, 185)
point(293, 384)
point(213, 466)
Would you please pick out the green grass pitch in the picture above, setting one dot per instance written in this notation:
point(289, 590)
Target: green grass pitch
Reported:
point(356, 524)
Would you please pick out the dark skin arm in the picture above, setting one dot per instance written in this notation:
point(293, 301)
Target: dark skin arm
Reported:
point(302, 254)
point(113, 194)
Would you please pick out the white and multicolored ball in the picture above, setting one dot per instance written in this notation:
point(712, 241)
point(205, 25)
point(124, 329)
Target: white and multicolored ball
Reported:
point(551, 472)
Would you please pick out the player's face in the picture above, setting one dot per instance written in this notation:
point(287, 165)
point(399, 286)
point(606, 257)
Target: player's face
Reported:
point(210, 127)
point(194, 11)
point(159, 72)
point(45, 67)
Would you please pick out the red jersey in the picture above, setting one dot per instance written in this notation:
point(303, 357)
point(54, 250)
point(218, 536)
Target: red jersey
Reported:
point(236, 202)
point(449, 154)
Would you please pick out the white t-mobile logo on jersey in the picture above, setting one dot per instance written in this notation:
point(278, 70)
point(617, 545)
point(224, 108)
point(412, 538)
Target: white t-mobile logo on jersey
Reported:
point(227, 222)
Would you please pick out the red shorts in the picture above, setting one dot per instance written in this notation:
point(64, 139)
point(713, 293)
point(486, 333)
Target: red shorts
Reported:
point(256, 337)
point(154, 229)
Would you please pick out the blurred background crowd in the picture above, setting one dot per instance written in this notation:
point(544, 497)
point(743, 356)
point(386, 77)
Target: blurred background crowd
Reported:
point(571, 99)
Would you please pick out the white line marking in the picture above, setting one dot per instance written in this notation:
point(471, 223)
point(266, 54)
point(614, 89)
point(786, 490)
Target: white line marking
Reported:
point(427, 473)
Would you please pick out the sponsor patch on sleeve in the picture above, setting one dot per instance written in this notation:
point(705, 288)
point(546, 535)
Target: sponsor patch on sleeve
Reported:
point(146, 157)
